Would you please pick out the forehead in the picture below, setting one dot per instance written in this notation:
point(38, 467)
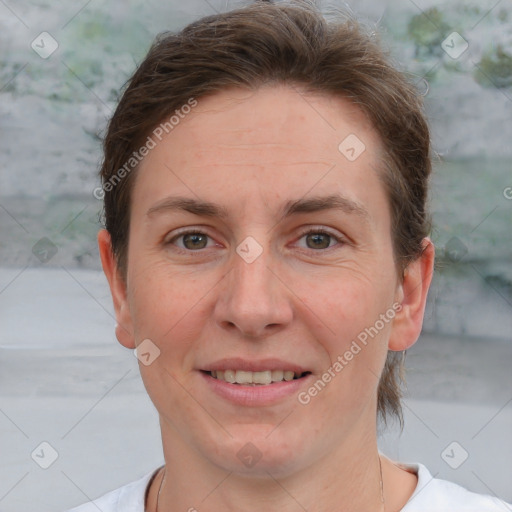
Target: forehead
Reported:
point(273, 142)
point(249, 119)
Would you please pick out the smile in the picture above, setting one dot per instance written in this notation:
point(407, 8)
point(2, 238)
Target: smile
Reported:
point(256, 388)
point(261, 378)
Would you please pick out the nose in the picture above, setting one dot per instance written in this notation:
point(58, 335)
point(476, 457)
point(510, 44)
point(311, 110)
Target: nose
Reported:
point(253, 298)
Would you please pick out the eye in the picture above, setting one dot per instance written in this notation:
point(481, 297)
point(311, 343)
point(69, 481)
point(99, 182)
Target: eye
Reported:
point(195, 240)
point(190, 240)
point(320, 239)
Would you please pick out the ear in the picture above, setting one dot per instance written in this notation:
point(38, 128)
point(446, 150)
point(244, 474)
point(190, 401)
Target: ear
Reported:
point(412, 295)
point(124, 327)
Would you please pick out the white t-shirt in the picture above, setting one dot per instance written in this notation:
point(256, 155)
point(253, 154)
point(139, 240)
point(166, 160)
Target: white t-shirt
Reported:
point(431, 495)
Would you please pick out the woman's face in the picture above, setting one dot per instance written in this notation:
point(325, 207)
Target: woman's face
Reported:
point(224, 276)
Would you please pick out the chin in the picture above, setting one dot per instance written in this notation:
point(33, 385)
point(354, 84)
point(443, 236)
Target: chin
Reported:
point(258, 451)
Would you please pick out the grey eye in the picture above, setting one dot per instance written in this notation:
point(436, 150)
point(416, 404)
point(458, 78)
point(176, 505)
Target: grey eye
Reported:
point(318, 240)
point(194, 240)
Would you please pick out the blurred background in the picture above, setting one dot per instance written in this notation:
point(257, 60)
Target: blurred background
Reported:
point(66, 382)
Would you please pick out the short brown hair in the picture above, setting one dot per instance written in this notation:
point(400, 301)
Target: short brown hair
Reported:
point(290, 43)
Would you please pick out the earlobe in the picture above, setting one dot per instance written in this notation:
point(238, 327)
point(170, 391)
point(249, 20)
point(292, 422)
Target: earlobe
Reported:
point(412, 294)
point(124, 336)
point(124, 329)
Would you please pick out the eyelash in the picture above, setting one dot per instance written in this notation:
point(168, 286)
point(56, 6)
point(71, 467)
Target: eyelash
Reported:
point(318, 231)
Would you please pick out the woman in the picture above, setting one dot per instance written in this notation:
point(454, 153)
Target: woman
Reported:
point(266, 246)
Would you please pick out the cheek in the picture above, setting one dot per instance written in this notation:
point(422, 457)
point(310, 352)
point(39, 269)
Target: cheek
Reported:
point(355, 338)
point(346, 303)
point(163, 302)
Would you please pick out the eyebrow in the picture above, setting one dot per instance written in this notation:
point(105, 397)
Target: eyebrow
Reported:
point(293, 207)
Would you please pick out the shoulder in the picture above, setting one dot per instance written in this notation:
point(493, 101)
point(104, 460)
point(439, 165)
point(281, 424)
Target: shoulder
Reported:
point(129, 498)
point(443, 496)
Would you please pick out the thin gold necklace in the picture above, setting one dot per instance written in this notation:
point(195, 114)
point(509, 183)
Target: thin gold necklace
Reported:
point(160, 490)
point(381, 488)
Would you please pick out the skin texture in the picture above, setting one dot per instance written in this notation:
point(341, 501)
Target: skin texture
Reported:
point(303, 300)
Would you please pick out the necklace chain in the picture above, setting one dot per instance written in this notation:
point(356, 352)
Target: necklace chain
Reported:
point(381, 488)
point(160, 490)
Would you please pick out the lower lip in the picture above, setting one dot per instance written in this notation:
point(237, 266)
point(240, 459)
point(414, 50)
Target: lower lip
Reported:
point(253, 396)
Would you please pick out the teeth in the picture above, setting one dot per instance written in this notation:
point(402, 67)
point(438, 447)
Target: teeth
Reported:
point(288, 375)
point(229, 376)
point(254, 378)
point(262, 377)
point(242, 377)
point(277, 375)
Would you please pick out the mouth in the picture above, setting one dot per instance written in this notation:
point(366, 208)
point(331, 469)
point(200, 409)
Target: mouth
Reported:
point(249, 382)
point(261, 378)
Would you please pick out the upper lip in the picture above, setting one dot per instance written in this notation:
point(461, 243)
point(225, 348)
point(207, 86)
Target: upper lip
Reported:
point(237, 363)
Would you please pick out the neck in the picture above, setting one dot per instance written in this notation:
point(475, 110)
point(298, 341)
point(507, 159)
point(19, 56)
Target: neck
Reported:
point(347, 480)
